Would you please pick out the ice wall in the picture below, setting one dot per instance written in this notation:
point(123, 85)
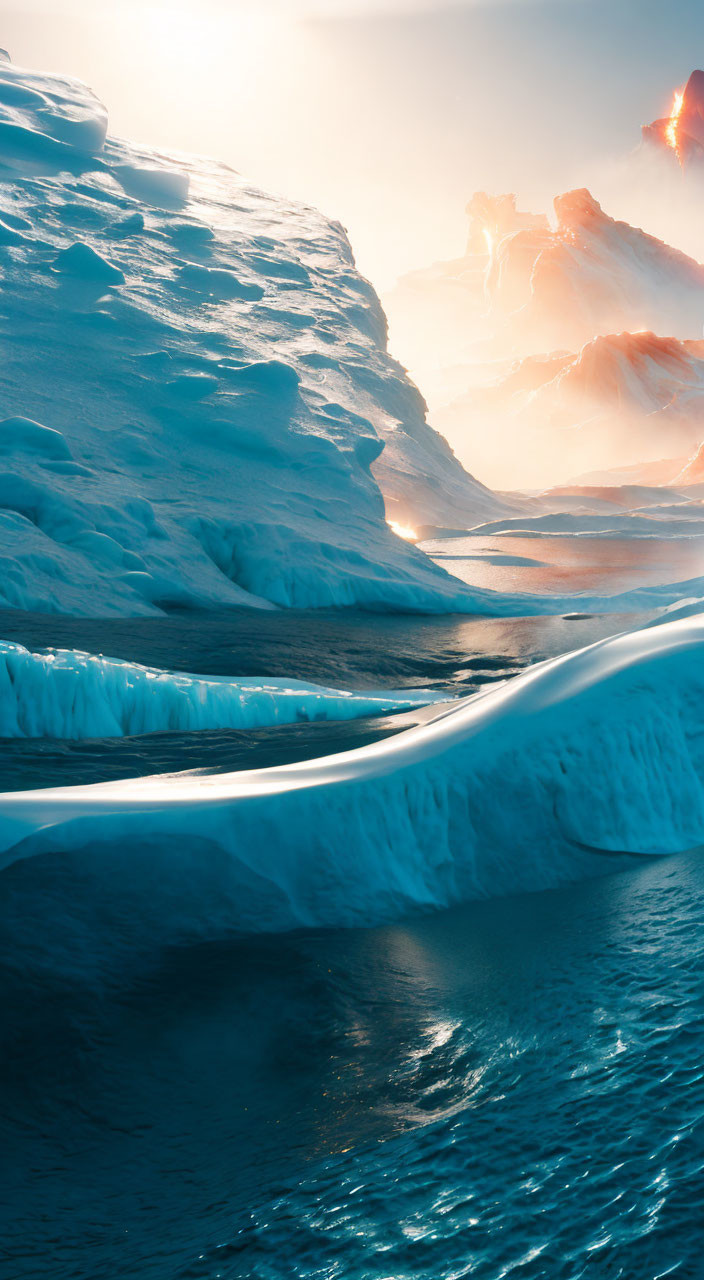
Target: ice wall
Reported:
point(573, 768)
point(197, 403)
point(66, 694)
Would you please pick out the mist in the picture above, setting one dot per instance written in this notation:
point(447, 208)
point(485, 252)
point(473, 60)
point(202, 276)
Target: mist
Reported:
point(386, 117)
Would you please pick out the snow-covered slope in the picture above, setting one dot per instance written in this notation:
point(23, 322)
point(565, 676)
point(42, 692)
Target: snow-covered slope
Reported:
point(623, 398)
point(534, 783)
point(66, 694)
point(592, 274)
point(683, 518)
point(196, 389)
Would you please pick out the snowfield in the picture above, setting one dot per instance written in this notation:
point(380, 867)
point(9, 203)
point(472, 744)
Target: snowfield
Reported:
point(66, 694)
point(198, 406)
point(564, 771)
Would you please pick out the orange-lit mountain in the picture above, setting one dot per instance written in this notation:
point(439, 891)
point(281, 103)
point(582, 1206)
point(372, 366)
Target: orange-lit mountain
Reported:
point(629, 304)
point(682, 132)
point(493, 217)
point(591, 275)
point(624, 398)
point(537, 288)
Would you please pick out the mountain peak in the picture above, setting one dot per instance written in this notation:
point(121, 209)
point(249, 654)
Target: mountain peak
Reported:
point(682, 132)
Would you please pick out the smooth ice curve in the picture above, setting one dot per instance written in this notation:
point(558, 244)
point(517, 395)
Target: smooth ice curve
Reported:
point(595, 756)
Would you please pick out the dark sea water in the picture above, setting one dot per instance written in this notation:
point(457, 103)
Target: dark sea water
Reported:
point(455, 654)
point(513, 1089)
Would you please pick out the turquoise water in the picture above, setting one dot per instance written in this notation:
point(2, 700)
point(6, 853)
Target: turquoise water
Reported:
point(514, 1089)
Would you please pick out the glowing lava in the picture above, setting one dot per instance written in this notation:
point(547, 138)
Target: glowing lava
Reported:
point(671, 130)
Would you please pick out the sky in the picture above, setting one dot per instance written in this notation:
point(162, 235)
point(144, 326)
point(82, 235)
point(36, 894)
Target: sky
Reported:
point(387, 115)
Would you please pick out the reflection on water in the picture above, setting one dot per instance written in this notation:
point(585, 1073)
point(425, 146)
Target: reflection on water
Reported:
point(453, 654)
point(566, 564)
point(511, 1090)
point(340, 648)
point(515, 1088)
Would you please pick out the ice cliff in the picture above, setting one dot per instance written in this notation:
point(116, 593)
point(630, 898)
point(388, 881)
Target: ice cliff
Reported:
point(493, 796)
point(63, 693)
point(197, 404)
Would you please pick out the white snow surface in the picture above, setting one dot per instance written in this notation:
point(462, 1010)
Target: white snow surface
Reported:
point(559, 773)
point(196, 388)
point(63, 693)
point(664, 521)
point(45, 120)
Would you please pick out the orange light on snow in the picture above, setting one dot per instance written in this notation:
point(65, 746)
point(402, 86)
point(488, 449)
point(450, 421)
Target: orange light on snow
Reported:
point(403, 530)
point(671, 130)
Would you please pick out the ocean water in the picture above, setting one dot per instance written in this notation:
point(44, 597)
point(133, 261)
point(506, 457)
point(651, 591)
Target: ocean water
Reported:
point(453, 654)
point(601, 565)
point(513, 1089)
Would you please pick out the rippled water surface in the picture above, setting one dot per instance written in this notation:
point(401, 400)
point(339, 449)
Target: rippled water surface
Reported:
point(455, 654)
point(514, 1089)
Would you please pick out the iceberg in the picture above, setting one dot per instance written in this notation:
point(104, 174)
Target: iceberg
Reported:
point(66, 694)
point(572, 768)
point(198, 406)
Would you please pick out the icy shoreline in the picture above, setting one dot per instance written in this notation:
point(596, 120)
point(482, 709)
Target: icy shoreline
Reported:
point(594, 755)
point(67, 694)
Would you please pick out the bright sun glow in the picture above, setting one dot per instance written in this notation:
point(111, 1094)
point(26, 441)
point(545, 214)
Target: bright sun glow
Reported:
point(671, 130)
point(403, 530)
point(197, 48)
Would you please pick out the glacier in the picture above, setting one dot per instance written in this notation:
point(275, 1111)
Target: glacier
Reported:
point(62, 693)
point(198, 406)
point(574, 767)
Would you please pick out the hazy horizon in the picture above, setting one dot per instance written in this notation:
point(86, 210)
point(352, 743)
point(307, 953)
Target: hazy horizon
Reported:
point(386, 121)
